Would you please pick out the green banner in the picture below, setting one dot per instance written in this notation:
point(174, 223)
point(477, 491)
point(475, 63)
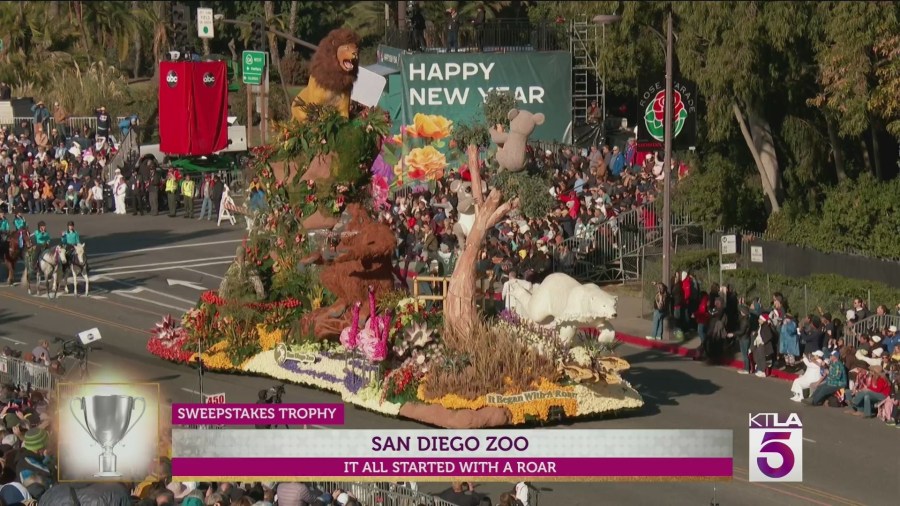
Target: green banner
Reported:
point(387, 55)
point(454, 86)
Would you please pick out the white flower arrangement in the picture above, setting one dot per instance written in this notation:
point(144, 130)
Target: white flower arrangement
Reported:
point(581, 356)
point(369, 397)
point(602, 399)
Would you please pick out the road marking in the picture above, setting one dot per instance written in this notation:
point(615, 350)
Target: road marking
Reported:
point(163, 248)
point(102, 270)
point(188, 284)
point(173, 267)
point(803, 489)
point(17, 343)
point(807, 439)
point(201, 272)
point(188, 390)
point(161, 304)
point(141, 289)
point(77, 314)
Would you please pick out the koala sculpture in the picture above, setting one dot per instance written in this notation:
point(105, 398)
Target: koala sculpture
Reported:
point(511, 145)
point(465, 208)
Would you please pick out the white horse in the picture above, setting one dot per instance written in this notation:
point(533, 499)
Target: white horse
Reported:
point(49, 266)
point(78, 266)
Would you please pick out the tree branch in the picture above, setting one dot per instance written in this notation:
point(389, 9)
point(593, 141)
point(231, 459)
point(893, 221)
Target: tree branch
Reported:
point(475, 171)
point(499, 213)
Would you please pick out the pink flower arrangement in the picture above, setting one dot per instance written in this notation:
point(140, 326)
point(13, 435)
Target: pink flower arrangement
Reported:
point(350, 335)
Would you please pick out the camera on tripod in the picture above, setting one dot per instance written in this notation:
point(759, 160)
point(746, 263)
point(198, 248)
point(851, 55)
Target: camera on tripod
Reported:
point(72, 348)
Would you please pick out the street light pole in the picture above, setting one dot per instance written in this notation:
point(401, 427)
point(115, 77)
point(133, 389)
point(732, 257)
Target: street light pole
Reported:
point(667, 163)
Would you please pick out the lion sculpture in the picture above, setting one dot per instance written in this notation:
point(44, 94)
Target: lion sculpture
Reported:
point(332, 73)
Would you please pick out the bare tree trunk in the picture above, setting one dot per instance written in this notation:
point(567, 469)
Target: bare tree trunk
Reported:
point(748, 138)
point(837, 152)
point(761, 132)
point(292, 28)
point(460, 311)
point(137, 43)
point(269, 7)
point(874, 125)
point(867, 160)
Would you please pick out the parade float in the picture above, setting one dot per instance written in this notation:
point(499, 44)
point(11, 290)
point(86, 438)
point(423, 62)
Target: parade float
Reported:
point(311, 299)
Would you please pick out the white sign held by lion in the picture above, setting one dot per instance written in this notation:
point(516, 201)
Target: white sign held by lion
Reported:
point(368, 87)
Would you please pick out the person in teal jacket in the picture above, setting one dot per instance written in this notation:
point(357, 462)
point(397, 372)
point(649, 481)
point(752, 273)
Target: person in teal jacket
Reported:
point(70, 238)
point(20, 224)
point(41, 239)
point(4, 224)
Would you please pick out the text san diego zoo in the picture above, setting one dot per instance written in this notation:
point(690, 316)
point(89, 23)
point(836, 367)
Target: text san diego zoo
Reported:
point(443, 444)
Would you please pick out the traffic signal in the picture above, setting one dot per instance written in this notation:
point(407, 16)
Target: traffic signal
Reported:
point(258, 34)
point(180, 25)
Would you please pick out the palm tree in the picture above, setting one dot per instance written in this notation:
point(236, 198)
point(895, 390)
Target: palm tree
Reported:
point(292, 28)
point(113, 24)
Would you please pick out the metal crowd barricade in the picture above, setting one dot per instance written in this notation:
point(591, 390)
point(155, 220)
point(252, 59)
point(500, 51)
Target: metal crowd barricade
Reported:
point(20, 372)
point(874, 324)
point(391, 494)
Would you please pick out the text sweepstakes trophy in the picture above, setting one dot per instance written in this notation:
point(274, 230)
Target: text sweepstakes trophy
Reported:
point(107, 419)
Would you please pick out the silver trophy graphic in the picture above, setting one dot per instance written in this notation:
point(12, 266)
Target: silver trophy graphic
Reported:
point(107, 419)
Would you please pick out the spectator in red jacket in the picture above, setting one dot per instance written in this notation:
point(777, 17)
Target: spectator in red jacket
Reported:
point(701, 317)
point(687, 286)
point(871, 388)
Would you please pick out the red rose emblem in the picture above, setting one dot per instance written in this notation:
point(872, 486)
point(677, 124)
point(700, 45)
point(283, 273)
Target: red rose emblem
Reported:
point(659, 106)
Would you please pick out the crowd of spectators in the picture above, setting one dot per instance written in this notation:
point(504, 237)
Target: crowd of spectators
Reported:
point(590, 189)
point(837, 365)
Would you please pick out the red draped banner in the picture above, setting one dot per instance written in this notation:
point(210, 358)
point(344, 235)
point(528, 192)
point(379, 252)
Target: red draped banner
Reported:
point(193, 107)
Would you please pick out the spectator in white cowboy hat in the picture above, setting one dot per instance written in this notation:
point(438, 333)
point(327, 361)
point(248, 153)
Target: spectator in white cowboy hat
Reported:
point(813, 373)
point(891, 339)
point(834, 380)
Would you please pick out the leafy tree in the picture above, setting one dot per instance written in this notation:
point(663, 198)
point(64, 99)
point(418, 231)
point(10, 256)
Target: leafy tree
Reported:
point(506, 192)
point(719, 195)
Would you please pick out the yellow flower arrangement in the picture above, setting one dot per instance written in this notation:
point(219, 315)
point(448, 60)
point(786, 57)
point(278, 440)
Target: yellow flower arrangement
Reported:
point(268, 339)
point(426, 164)
point(318, 297)
point(539, 408)
point(451, 401)
point(216, 358)
point(429, 126)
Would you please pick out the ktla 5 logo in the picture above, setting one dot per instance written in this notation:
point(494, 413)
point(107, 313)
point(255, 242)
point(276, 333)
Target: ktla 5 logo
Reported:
point(776, 447)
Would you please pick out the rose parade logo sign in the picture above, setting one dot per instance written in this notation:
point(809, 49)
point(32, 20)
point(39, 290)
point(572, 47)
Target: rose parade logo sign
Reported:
point(652, 106)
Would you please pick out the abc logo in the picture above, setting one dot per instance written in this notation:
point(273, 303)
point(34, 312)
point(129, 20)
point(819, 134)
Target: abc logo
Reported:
point(209, 79)
point(172, 79)
point(776, 447)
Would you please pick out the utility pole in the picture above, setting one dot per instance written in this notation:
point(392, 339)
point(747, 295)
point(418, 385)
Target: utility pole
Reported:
point(667, 146)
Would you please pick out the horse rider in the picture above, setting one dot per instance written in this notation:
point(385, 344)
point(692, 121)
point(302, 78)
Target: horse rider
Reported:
point(69, 239)
point(20, 226)
point(41, 240)
point(4, 225)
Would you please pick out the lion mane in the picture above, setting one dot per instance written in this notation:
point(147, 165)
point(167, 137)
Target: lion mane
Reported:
point(325, 67)
point(329, 83)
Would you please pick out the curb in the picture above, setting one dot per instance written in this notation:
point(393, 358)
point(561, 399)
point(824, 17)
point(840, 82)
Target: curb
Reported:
point(683, 351)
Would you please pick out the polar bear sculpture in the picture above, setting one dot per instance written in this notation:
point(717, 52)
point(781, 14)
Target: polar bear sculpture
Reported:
point(563, 303)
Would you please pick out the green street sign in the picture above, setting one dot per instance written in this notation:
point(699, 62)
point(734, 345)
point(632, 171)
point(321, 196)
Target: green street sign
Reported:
point(254, 66)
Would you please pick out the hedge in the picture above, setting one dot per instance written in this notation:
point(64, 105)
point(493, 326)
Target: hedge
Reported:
point(830, 292)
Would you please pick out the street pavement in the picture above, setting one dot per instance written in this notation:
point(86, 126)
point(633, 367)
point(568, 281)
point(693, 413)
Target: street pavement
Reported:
point(144, 267)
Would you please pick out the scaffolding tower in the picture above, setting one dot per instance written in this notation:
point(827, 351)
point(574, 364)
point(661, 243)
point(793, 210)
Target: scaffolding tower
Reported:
point(587, 85)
